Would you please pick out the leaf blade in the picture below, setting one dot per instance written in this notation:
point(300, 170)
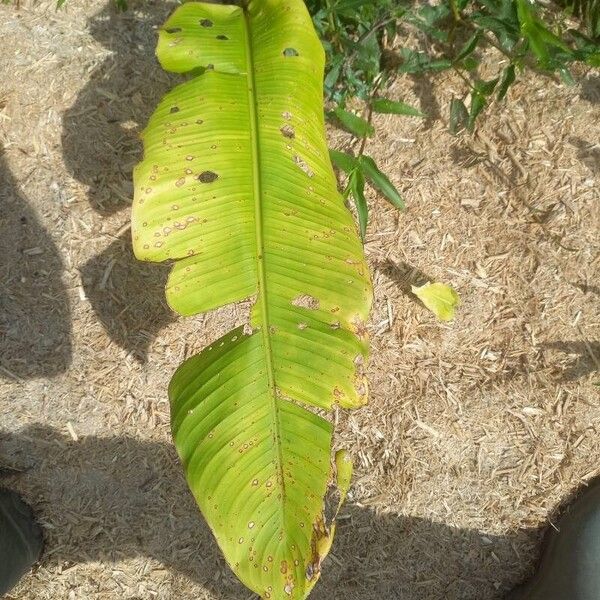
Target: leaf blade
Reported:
point(439, 298)
point(352, 123)
point(395, 107)
point(381, 182)
point(235, 185)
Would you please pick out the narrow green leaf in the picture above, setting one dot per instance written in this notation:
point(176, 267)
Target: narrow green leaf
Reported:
point(395, 107)
point(334, 72)
point(470, 63)
point(419, 62)
point(485, 88)
point(357, 188)
point(593, 60)
point(380, 181)
point(525, 14)
point(352, 123)
point(343, 5)
point(508, 78)
point(459, 116)
point(439, 298)
point(343, 161)
point(566, 76)
point(550, 38)
point(469, 46)
point(537, 47)
point(478, 103)
point(440, 65)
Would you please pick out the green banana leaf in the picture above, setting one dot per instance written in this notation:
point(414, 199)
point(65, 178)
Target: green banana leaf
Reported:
point(237, 190)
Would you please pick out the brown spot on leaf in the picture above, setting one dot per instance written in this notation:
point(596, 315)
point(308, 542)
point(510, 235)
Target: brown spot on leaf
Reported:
point(207, 177)
point(306, 301)
point(360, 328)
point(288, 132)
point(338, 394)
point(303, 165)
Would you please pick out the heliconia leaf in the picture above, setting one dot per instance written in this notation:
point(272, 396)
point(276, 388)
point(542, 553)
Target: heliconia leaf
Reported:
point(342, 160)
point(352, 123)
point(380, 181)
point(237, 191)
point(395, 107)
point(439, 298)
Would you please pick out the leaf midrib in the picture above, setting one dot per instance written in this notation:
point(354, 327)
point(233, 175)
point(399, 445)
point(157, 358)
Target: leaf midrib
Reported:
point(260, 260)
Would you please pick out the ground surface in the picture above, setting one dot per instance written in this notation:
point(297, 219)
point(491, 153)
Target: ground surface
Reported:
point(476, 431)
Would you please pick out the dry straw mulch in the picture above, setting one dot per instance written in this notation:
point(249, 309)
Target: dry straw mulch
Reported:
point(476, 431)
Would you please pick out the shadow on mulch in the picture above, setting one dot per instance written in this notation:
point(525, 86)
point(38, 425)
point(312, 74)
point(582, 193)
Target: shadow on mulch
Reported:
point(100, 139)
point(588, 153)
point(106, 499)
point(128, 296)
point(101, 145)
point(590, 89)
point(405, 276)
point(35, 323)
point(586, 362)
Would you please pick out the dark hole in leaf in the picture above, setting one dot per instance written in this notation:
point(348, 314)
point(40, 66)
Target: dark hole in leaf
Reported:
point(207, 177)
point(290, 52)
point(206, 23)
point(210, 67)
point(173, 30)
point(222, 37)
point(174, 109)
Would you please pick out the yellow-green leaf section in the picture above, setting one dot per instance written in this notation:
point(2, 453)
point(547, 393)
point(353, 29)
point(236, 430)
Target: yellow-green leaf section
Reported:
point(439, 298)
point(237, 190)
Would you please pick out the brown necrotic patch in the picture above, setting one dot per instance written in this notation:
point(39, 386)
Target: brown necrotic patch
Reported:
point(303, 165)
point(206, 23)
point(207, 177)
point(306, 301)
point(288, 132)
